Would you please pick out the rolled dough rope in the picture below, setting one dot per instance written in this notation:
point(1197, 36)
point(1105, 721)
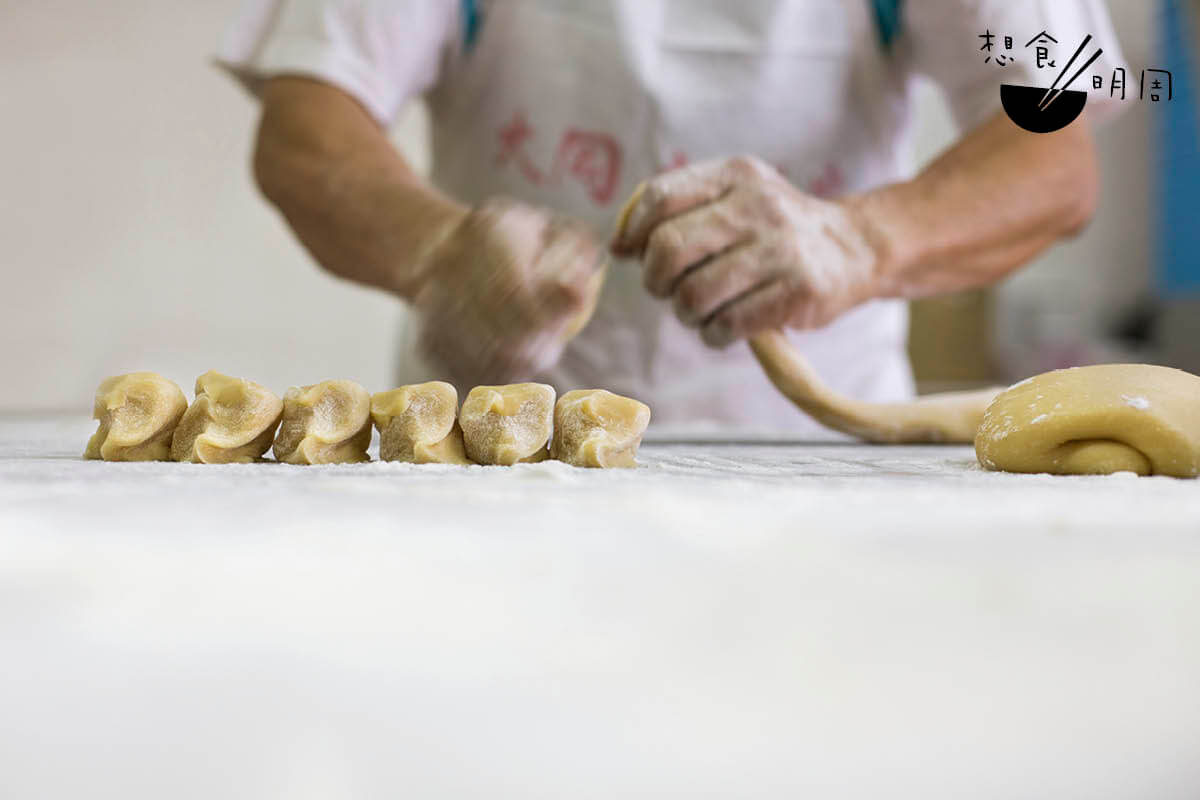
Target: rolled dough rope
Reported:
point(937, 418)
point(942, 418)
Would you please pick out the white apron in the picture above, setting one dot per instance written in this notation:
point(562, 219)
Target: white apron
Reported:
point(570, 103)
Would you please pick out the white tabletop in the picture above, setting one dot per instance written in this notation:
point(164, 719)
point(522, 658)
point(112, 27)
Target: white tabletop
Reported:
point(729, 620)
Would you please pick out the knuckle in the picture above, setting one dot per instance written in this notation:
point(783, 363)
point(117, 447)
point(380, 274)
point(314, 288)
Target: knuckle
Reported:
point(764, 205)
point(665, 240)
point(747, 167)
point(773, 207)
point(770, 256)
point(741, 165)
point(797, 285)
point(655, 196)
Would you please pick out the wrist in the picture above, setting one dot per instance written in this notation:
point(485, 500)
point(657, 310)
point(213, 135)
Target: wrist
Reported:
point(434, 223)
point(883, 216)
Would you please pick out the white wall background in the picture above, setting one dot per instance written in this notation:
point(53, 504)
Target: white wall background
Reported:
point(131, 236)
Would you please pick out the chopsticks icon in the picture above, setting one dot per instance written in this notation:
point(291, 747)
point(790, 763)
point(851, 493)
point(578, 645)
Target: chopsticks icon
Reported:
point(1052, 93)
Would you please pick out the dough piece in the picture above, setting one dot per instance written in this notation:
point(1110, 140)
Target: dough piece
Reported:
point(326, 423)
point(596, 428)
point(418, 424)
point(138, 413)
point(940, 418)
point(935, 418)
point(508, 424)
point(1096, 421)
point(231, 421)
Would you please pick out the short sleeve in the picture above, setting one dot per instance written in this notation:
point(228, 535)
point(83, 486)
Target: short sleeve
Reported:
point(382, 52)
point(944, 40)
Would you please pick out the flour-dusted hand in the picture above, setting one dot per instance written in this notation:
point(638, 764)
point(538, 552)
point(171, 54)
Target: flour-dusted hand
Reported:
point(504, 290)
point(740, 250)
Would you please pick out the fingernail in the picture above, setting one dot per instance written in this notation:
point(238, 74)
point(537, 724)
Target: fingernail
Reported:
point(685, 315)
point(716, 335)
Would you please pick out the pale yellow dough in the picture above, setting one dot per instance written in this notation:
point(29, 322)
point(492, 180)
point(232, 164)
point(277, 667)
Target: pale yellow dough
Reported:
point(232, 420)
point(596, 428)
point(138, 414)
point(418, 424)
point(326, 423)
point(1096, 421)
point(935, 418)
point(508, 424)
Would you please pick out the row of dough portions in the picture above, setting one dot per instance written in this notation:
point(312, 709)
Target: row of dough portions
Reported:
point(143, 416)
point(508, 425)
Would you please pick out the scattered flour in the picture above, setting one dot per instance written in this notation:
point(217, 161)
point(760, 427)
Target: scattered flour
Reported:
point(1140, 403)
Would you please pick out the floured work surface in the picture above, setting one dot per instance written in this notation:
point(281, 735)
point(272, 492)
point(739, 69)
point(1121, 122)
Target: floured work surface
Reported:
point(743, 621)
point(835, 486)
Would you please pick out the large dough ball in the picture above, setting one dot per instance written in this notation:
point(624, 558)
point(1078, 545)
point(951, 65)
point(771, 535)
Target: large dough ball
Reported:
point(138, 414)
point(1095, 421)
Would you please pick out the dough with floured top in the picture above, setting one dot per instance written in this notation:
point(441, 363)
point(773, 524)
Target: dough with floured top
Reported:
point(596, 428)
point(1094, 421)
point(231, 420)
point(138, 414)
point(418, 424)
point(326, 423)
point(508, 424)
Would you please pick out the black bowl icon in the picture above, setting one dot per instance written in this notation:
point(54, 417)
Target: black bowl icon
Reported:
point(1021, 103)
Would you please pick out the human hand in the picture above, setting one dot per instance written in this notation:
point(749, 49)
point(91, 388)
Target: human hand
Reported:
point(739, 250)
point(504, 290)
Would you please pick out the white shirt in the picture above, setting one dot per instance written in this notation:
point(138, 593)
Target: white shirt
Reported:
point(569, 104)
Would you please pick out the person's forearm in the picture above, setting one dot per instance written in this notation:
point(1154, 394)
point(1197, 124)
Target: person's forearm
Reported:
point(344, 189)
point(981, 210)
